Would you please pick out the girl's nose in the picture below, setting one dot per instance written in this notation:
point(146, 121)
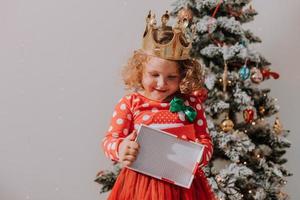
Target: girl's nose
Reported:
point(161, 82)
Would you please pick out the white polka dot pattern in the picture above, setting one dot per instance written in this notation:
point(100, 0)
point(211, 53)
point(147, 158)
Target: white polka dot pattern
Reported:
point(145, 105)
point(136, 126)
point(163, 104)
point(198, 106)
point(146, 117)
point(123, 106)
point(120, 121)
point(200, 122)
point(192, 99)
point(113, 146)
point(115, 135)
point(129, 117)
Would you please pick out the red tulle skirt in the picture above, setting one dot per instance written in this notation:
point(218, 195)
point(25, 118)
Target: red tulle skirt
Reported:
point(131, 185)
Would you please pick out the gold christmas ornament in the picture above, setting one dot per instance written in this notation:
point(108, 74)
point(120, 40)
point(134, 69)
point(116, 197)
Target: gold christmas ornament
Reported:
point(227, 125)
point(177, 48)
point(277, 127)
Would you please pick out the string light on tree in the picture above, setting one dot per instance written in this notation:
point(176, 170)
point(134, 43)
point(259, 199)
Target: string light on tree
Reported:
point(257, 153)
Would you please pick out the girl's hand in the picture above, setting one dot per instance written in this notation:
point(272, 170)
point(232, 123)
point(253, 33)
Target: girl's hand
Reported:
point(128, 150)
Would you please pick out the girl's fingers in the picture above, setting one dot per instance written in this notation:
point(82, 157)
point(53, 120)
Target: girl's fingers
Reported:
point(133, 145)
point(133, 152)
point(129, 158)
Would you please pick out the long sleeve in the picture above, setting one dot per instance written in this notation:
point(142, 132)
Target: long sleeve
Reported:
point(120, 126)
point(202, 133)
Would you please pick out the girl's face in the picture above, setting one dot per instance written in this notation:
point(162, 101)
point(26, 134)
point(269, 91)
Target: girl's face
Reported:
point(161, 78)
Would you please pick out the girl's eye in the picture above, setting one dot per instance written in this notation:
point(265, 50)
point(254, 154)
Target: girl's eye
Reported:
point(172, 77)
point(155, 75)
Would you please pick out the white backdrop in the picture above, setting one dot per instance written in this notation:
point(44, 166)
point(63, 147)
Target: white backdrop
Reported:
point(60, 64)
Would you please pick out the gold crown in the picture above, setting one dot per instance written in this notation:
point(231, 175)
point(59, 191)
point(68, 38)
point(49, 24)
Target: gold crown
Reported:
point(164, 41)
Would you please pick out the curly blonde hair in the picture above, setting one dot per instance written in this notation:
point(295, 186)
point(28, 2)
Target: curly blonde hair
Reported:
point(132, 73)
point(190, 73)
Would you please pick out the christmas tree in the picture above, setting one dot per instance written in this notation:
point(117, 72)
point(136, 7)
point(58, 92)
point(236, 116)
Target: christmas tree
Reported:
point(249, 143)
point(248, 146)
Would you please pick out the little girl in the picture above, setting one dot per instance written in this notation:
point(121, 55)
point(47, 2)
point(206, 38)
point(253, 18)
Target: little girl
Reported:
point(157, 73)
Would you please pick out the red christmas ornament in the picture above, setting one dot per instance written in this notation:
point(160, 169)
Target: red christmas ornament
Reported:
point(248, 115)
point(267, 73)
point(201, 94)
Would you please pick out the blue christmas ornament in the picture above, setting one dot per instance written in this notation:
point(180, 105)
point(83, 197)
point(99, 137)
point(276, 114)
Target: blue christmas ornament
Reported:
point(244, 72)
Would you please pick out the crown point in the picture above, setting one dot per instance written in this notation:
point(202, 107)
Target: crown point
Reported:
point(152, 20)
point(148, 17)
point(165, 18)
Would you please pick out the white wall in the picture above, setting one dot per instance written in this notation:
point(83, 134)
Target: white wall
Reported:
point(59, 80)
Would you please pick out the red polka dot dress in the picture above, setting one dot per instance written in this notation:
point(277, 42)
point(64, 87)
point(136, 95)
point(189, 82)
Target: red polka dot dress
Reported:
point(135, 109)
